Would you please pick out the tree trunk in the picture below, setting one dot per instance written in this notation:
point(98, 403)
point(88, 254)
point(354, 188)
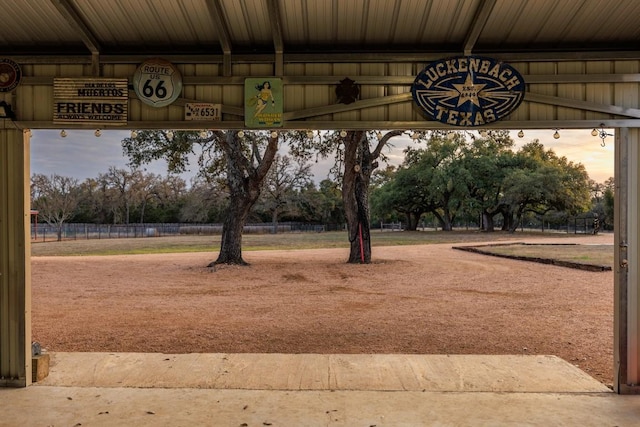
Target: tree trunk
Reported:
point(274, 221)
point(142, 208)
point(361, 248)
point(487, 221)
point(514, 222)
point(231, 241)
point(412, 221)
point(359, 163)
point(508, 223)
point(355, 195)
point(245, 182)
point(407, 219)
point(446, 220)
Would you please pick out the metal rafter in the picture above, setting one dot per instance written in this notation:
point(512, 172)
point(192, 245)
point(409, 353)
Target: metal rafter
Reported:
point(215, 10)
point(479, 21)
point(276, 31)
point(65, 9)
point(74, 19)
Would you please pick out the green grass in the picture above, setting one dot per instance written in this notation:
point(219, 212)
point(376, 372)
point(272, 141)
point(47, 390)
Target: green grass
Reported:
point(253, 242)
point(584, 254)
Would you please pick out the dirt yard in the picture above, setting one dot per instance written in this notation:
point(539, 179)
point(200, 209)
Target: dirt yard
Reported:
point(427, 299)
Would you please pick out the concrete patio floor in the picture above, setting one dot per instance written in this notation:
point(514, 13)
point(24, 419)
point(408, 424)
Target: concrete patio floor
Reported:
point(140, 389)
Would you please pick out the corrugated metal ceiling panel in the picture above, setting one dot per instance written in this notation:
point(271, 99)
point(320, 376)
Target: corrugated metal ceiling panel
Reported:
point(545, 24)
point(447, 22)
point(316, 26)
point(33, 23)
point(248, 22)
point(604, 21)
point(149, 22)
point(294, 19)
point(325, 22)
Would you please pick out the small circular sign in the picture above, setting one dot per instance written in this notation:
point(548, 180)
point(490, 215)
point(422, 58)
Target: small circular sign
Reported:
point(468, 91)
point(10, 75)
point(157, 82)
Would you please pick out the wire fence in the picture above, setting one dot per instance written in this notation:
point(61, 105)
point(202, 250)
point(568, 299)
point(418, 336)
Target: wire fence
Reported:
point(77, 231)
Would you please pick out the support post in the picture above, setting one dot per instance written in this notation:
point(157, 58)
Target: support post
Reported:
point(15, 262)
point(627, 262)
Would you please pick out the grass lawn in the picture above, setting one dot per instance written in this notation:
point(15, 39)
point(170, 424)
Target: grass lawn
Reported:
point(581, 254)
point(601, 254)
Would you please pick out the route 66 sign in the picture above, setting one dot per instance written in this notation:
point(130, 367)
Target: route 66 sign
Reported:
point(157, 82)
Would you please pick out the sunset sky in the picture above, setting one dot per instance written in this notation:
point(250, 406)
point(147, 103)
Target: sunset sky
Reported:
point(82, 155)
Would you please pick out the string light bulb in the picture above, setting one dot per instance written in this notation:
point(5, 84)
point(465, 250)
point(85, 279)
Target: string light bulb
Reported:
point(556, 134)
point(97, 133)
point(309, 134)
point(170, 135)
point(594, 132)
point(343, 133)
point(483, 133)
point(63, 133)
point(274, 134)
point(203, 133)
point(521, 134)
point(241, 134)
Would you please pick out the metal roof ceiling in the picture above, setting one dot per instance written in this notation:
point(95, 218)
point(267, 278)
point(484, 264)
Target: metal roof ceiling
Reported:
point(317, 28)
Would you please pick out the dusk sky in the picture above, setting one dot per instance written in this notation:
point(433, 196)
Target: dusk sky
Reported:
point(82, 155)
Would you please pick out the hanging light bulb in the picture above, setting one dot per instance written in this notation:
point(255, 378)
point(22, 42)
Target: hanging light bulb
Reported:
point(451, 135)
point(134, 134)
point(203, 133)
point(309, 134)
point(594, 132)
point(379, 135)
point(343, 133)
point(414, 135)
point(483, 133)
point(97, 133)
point(63, 133)
point(170, 135)
point(241, 134)
point(274, 134)
point(521, 134)
point(556, 135)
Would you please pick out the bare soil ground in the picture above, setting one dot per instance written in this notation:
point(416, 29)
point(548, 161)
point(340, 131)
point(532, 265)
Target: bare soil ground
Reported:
point(425, 299)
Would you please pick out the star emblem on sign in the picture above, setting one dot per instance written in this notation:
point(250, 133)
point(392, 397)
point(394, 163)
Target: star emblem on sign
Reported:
point(468, 91)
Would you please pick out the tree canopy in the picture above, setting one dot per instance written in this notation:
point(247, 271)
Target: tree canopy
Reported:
point(483, 176)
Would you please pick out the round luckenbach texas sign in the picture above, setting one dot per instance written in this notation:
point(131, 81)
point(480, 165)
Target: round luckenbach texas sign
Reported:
point(468, 91)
